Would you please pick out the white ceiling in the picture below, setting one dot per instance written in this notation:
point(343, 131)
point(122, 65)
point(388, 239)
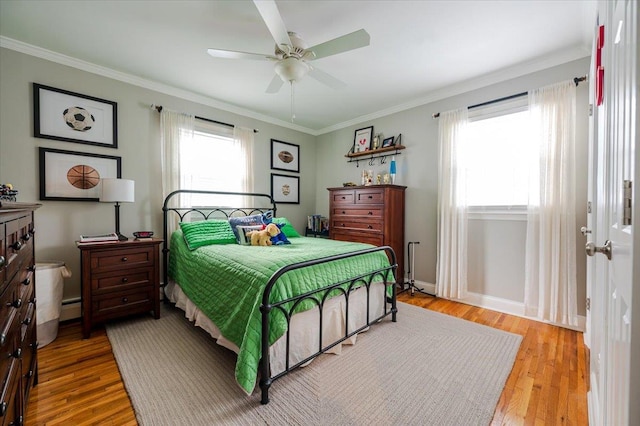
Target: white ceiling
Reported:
point(420, 51)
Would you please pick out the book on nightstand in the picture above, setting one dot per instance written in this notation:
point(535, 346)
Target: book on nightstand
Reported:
point(98, 238)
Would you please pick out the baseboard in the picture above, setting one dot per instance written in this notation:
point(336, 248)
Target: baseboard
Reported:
point(510, 307)
point(70, 310)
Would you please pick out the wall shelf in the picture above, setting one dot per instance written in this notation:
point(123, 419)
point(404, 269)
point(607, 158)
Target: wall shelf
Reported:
point(372, 155)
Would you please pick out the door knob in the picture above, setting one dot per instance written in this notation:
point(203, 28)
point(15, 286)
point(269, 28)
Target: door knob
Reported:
point(584, 230)
point(591, 249)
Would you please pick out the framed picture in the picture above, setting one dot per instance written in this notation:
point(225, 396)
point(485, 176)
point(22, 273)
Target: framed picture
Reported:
point(387, 142)
point(285, 156)
point(362, 139)
point(67, 116)
point(285, 189)
point(75, 176)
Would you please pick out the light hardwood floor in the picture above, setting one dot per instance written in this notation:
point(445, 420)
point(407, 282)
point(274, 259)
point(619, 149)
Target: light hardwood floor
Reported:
point(80, 383)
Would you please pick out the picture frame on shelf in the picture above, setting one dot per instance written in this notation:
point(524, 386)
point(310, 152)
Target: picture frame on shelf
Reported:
point(285, 156)
point(75, 176)
point(388, 142)
point(73, 117)
point(362, 139)
point(285, 189)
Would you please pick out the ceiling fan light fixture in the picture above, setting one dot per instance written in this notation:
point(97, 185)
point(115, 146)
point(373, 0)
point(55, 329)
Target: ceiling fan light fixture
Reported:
point(291, 69)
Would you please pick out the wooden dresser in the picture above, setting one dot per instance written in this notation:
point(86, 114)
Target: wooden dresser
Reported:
point(370, 214)
point(119, 279)
point(18, 340)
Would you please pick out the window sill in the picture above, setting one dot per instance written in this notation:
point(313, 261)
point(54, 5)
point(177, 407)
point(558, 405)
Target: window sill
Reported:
point(506, 213)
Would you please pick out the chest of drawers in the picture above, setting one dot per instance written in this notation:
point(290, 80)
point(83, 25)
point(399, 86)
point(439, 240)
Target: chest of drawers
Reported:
point(369, 214)
point(18, 340)
point(119, 279)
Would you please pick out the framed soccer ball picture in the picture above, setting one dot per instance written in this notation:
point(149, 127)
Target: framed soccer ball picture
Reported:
point(75, 176)
point(71, 117)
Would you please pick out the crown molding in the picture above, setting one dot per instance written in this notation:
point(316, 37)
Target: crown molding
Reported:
point(539, 64)
point(518, 70)
point(61, 59)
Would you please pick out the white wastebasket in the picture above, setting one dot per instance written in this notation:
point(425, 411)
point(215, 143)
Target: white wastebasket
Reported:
point(49, 288)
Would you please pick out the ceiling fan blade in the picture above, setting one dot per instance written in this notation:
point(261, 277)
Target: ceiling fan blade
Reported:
point(327, 79)
point(275, 85)
point(341, 44)
point(272, 18)
point(234, 54)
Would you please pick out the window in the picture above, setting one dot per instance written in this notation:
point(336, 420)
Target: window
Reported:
point(497, 153)
point(213, 160)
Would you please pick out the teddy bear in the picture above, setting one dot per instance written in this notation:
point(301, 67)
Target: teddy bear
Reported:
point(263, 237)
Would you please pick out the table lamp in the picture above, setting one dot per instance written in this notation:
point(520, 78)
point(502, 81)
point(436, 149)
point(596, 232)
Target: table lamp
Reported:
point(117, 191)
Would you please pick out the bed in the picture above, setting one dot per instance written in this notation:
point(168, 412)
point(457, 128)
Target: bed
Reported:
point(277, 307)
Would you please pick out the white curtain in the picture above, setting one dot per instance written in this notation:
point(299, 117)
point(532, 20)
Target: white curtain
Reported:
point(550, 266)
point(174, 127)
point(451, 281)
point(244, 137)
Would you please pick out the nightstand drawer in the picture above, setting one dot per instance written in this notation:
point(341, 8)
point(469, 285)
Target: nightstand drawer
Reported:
point(118, 279)
point(121, 280)
point(117, 259)
point(130, 302)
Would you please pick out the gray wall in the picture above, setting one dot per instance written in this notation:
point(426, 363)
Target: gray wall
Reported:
point(497, 246)
point(59, 223)
point(496, 249)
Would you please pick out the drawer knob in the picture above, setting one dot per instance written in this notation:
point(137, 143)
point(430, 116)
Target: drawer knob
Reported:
point(16, 303)
point(125, 279)
point(27, 321)
point(370, 213)
point(370, 227)
point(29, 374)
point(343, 212)
point(3, 408)
point(17, 353)
point(3, 261)
point(16, 246)
point(125, 300)
point(370, 197)
point(343, 225)
point(26, 281)
point(26, 237)
point(124, 259)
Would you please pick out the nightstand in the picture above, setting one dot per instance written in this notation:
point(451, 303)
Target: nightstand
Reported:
point(119, 279)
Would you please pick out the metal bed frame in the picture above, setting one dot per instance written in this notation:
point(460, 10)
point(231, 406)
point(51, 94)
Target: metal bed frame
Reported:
point(287, 307)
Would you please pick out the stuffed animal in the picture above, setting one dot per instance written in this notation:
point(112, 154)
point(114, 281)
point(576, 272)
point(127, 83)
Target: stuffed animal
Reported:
point(263, 237)
point(280, 238)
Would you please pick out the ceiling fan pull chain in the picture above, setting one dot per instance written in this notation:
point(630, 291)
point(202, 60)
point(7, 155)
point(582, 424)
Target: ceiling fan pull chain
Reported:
point(293, 114)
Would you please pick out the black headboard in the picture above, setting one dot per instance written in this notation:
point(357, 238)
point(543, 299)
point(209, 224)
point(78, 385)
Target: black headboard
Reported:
point(248, 203)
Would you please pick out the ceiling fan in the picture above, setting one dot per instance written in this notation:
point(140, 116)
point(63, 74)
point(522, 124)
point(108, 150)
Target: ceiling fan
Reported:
point(292, 55)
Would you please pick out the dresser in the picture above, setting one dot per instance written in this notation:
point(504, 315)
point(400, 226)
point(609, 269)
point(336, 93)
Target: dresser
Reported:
point(370, 214)
point(119, 279)
point(18, 340)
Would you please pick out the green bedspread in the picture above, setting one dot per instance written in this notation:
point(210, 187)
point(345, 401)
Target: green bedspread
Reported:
point(227, 281)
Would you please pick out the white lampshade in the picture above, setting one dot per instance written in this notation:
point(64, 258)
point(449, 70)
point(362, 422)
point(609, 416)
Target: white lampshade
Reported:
point(117, 190)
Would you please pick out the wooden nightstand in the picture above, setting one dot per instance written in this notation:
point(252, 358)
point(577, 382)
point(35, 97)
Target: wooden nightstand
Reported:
point(119, 279)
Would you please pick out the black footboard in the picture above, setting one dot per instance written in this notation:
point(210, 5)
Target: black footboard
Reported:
point(319, 297)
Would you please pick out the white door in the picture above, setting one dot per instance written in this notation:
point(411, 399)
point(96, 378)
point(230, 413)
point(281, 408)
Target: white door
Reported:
point(611, 280)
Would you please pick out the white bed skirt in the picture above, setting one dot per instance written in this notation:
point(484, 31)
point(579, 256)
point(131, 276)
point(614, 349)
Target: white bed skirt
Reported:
point(304, 325)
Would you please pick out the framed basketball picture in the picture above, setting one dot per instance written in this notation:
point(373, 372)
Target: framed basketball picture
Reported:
point(75, 176)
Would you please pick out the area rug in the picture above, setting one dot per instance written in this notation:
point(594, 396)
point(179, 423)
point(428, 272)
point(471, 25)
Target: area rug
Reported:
point(425, 369)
